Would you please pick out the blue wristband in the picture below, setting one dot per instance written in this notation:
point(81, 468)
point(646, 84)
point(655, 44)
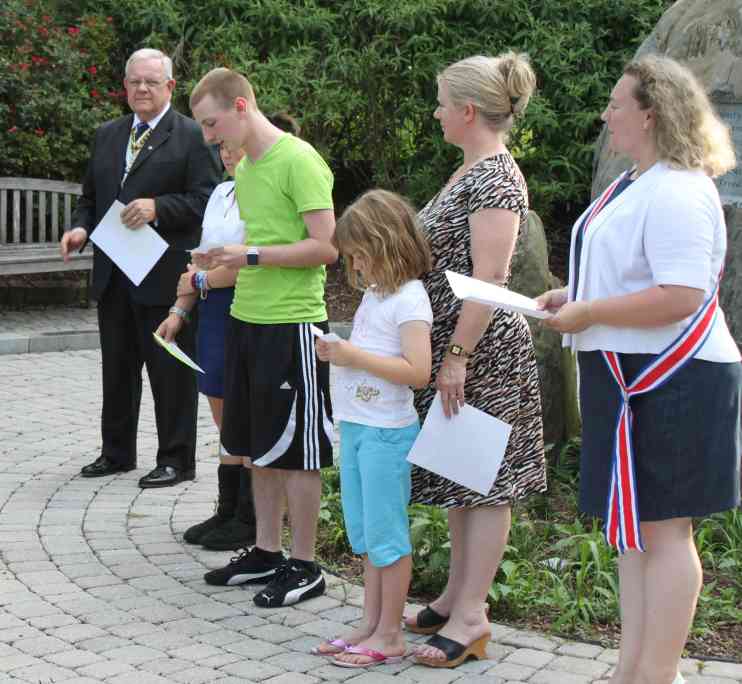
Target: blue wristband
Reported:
point(202, 283)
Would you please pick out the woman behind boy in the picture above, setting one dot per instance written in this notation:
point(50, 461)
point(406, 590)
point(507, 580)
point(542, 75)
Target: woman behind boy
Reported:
point(385, 251)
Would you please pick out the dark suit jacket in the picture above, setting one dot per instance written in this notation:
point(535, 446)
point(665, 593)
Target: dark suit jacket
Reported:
point(177, 169)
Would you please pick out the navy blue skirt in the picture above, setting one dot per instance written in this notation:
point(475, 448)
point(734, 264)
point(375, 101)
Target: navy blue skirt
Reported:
point(212, 321)
point(686, 437)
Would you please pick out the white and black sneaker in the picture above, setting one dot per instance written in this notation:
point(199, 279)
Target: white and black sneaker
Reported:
point(296, 581)
point(255, 566)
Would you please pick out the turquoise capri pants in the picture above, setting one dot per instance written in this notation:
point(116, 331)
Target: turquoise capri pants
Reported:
point(375, 489)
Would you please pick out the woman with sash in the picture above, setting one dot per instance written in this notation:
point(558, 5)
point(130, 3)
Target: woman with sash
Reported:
point(659, 372)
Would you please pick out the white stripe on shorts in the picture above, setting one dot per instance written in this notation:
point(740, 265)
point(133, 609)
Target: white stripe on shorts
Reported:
point(283, 443)
point(309, 370)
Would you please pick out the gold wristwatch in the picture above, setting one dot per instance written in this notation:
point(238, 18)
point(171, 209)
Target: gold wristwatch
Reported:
point(457, 350)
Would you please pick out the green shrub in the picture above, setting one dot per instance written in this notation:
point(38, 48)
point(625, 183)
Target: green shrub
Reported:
point(360, 74)
point(57, 86)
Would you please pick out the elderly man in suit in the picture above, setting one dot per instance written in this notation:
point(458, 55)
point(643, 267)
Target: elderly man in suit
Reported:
point(156, 163)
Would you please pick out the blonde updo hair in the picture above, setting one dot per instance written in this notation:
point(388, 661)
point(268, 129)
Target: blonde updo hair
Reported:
point(688, 133)
point(498, 87)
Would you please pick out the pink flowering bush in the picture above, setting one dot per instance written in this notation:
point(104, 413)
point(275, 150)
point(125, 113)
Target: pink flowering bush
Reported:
point(57, 86)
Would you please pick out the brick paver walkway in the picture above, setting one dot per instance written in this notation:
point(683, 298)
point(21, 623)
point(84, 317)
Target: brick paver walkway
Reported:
point(97, 585)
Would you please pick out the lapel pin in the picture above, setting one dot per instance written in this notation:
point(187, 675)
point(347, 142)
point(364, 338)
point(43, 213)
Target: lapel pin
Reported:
point(149, 147)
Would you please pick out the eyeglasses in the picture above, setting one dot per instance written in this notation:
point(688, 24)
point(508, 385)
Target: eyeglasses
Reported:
point(151, 85)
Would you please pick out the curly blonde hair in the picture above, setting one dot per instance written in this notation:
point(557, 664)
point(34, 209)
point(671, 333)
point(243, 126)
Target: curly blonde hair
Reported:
point(498, 87)
point(688, 132)
point(383, 227)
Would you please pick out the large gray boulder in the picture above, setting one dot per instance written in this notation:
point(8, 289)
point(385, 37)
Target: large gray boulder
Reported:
point(707, 36)
point(530, 276)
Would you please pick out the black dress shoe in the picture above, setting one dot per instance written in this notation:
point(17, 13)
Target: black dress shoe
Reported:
point(165, 476)
point(102, 466)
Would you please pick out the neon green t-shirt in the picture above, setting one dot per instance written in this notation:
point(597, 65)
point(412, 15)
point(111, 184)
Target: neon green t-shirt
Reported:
point(289, 179)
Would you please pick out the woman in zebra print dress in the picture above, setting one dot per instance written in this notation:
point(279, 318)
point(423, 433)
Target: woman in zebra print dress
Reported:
point(482, 358)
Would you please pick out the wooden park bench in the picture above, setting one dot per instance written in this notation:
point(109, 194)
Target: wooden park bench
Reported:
point(34, 213)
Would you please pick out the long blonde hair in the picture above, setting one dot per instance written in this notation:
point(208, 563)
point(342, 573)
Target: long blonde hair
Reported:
point(688, 133)
point(498, 87)
point(383, 227)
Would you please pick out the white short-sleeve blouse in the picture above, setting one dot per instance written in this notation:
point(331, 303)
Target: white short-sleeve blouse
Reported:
point(222, 224)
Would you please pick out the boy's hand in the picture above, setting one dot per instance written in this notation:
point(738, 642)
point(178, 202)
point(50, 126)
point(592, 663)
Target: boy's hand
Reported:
point(231, 256)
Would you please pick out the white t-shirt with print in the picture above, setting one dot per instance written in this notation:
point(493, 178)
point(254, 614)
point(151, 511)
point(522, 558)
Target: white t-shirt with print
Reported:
point(359, 396)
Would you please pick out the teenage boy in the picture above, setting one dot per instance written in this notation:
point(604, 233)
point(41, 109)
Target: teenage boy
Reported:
point(277, 411)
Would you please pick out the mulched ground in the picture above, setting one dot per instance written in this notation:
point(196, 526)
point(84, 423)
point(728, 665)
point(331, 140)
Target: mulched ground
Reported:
point(342, 300)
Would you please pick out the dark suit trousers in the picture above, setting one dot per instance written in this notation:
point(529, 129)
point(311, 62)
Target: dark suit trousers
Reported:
point(126, 342)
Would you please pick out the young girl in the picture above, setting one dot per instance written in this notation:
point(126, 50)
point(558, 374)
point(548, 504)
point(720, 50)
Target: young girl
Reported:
point(389, 351)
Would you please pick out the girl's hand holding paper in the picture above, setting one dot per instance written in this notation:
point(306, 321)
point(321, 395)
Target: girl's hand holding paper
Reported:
point(331, 347)
point(169, 328)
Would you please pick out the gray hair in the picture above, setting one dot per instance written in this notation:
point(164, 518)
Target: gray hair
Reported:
point(150, 53)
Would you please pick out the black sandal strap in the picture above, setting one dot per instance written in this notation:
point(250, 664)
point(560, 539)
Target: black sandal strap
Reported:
point(428, 617)
point(452, 649)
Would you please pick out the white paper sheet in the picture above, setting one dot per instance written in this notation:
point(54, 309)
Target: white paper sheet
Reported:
point(327, 337)
point(204, 247)
point(135, 252)
point(177, 352)
point(475, 290)
point(467, 448)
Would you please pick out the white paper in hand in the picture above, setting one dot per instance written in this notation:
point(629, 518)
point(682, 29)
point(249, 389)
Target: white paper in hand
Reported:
point(327, 337)
point(467, 448)
point(177, 352)
point(206, 247)
point(135, 252)
point(479, 291)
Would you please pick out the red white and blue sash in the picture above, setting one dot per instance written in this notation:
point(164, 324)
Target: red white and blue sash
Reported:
point(622, 528)
point(622, 515)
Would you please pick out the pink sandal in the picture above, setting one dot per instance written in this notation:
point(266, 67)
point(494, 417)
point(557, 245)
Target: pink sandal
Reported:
point(377, 658)
point(340, 644)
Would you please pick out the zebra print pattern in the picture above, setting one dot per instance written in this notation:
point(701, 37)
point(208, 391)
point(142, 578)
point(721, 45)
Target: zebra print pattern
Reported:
point(502, 378)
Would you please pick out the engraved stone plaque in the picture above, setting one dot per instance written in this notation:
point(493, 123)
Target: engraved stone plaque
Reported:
point(730, 184)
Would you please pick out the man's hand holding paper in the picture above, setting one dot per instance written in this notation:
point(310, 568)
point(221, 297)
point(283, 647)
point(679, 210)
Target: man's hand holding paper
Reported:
point(138, 213)
point(135, 252)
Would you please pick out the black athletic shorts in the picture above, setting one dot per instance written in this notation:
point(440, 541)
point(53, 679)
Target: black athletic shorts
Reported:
point(277, 408)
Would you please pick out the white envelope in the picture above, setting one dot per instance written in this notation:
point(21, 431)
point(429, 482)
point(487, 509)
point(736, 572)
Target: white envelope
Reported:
point(135, 252)
point(479, 291)
point(467, 448)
